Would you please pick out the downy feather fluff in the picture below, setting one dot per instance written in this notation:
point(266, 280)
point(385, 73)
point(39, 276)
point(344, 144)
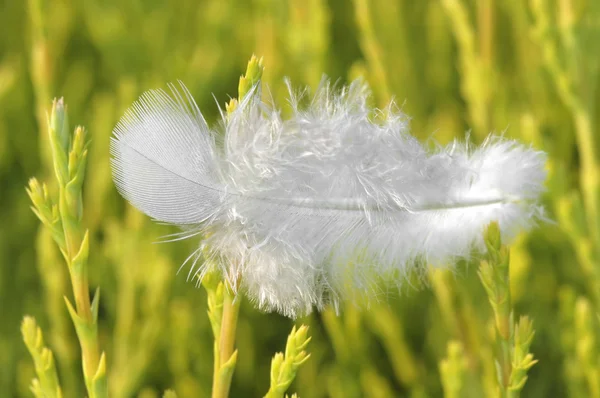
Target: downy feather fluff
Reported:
point(304, 211)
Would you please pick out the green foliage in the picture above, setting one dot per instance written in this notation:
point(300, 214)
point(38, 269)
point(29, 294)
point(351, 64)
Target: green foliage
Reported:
point(69, 155)
point(46, 384)
point(512, 342)
point(452, 371)
point(529, 68)
point(285, 366)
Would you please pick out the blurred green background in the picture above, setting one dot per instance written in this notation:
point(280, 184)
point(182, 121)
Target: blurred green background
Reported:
point(528, 69)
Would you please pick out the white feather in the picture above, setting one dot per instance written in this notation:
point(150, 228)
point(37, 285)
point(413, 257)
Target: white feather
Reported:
point(306, 210)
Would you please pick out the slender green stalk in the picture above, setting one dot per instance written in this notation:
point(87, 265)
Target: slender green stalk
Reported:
point(475, 57)
point(46, 385)
point(587, 345)
point(285, 367)
point(41, 70)
point(513, 359)
point(169, 394)
point(390, 330)
point(231, 308)
point(587, 142)
point(453, 369)
point(223, 305)
point(64, 221)
point(225, 355)
point(575, 78)
point(372, 48)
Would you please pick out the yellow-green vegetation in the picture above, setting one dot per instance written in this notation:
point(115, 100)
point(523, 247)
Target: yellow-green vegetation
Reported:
point(285, 366)
point(526, 324)
point(63, 218)
point(513, 359)
point(46, 384)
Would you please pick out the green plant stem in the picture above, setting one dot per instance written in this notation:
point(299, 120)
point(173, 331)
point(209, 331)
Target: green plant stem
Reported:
point(475, 57)
point(590, 168)
point(64, 219)
point(46, 385)
point(231, 308)
point(284, 367)
point(512, 344)
point(223, 305)
point(79, 280)
point(41, 73)
point(224, 348)
point(504, 340)
point(90, 350)
point(81, 293)
point(504, 347)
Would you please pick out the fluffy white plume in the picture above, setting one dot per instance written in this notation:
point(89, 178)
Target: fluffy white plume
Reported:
point(302, 212)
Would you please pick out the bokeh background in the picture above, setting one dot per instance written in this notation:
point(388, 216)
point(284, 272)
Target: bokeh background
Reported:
point(528, 69)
